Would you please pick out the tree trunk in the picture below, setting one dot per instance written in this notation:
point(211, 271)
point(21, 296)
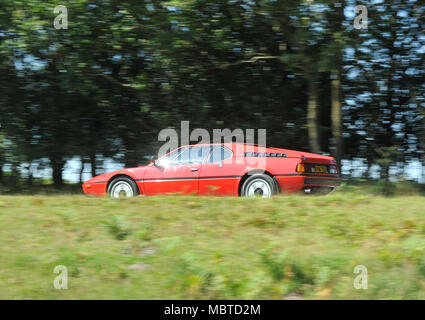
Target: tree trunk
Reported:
point(30, 179)
point(30, 174)
point(336, 115)
point(93, 164)
point(336, 92)
point(131, 160)
point(421, 178)
point(313, 116)
point(82, 170)
point(1, 173)
point(369, 168)
point(57, 167)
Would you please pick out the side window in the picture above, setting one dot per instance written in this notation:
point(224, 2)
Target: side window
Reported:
point(219, 154)
point(166, 161)
point(198, 154)
point(182, 157)
point(192, 155)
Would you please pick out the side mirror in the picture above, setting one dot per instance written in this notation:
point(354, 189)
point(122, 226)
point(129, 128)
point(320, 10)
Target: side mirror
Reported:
point(156, 164)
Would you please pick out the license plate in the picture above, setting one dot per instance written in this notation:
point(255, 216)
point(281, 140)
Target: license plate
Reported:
point(321, 169)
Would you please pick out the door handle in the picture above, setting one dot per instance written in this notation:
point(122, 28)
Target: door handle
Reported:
point(194, 169)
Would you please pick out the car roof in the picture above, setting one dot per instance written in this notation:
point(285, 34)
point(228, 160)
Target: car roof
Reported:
point(240, 147)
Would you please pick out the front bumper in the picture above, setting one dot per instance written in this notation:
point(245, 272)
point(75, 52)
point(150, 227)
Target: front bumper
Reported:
point(96, 188)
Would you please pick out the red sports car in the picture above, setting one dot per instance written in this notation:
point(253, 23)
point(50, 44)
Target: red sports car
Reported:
point(234, 169)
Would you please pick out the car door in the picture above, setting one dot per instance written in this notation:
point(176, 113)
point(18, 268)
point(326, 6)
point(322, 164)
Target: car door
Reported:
point(220, 173)
point(176, 173)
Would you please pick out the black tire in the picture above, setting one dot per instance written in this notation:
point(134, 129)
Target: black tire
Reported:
point(122, 187)
point(259, 185)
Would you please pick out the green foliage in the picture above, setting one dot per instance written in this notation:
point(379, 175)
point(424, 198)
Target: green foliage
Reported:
point(145, 233)
point(382, 188)
point(294, 274)
point(117, 227)
point(175, 250)
point(421, 266)
point(124, 70)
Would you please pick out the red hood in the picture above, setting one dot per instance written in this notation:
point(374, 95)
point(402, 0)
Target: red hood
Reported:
point(135, 173)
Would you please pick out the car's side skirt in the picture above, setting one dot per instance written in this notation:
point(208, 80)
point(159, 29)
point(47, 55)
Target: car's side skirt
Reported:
point(195, 178)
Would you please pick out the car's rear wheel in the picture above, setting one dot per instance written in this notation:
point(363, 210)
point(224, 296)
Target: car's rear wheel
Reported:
point(122, 187)
point(259, 185)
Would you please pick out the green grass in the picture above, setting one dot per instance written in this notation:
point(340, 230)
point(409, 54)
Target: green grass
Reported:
point(178, 247)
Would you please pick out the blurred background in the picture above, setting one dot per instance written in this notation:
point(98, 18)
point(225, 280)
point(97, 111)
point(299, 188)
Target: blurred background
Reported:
point(91, 98)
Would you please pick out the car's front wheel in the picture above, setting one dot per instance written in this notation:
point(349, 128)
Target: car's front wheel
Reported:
point(122, 187)
point(259, 185)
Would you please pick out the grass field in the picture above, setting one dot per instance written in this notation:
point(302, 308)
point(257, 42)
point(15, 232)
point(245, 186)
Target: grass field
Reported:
point(174, 247)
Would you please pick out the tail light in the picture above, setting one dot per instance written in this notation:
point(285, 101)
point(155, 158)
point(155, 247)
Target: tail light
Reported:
point(317, 168)
point(300, 167)
point(333, 169)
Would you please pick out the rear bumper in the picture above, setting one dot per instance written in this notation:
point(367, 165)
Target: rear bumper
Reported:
point(331, 182)
point(321, 185)
point(292, 183)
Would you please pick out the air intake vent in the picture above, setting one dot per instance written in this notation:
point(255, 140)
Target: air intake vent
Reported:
point(262, 154)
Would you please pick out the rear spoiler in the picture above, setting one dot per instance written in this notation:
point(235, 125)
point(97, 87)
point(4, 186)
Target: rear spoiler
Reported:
point(318, 160)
